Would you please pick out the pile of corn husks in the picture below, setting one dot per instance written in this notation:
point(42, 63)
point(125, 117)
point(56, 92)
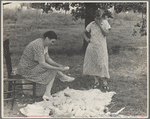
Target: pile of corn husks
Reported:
point(72, 103)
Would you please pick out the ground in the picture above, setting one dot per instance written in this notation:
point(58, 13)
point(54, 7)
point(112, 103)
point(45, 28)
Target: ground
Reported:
point(127, 59)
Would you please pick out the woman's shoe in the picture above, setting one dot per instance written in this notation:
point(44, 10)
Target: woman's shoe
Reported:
point(67, 78)
point(96, 85)
point(105, 88)
point(47, 98)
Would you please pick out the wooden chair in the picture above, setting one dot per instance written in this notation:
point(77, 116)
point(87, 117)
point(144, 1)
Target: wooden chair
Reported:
point(12, 79)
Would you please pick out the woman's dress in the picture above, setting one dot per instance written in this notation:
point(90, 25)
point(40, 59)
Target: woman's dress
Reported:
point(29, 63)
point(96, 56)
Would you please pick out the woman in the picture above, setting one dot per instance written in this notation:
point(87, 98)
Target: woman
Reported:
point(96, 56)
point(36, 65)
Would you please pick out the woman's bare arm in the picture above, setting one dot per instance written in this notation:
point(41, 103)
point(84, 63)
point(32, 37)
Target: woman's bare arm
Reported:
point(45, 65)
point(50, 61)
point(87, 36)
point(105, 32)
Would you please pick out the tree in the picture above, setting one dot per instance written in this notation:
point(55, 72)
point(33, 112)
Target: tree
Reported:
point(66, 7)
point(140, 7)
point(46, 8)
point(37, 5)
point(87, 10)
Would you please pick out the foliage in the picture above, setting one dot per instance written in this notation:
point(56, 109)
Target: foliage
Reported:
point(84, 10)
point(57, 6)
point(37, 5)
point(66, 6)
point(143, 27)
point(128, 6)
point(140, 7)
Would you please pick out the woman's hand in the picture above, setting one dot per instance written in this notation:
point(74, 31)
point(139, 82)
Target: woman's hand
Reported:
point(87, 36)
point(96, 21)
point(105, 32)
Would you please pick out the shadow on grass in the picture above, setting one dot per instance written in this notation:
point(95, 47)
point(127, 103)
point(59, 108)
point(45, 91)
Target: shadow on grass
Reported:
point(80, 83)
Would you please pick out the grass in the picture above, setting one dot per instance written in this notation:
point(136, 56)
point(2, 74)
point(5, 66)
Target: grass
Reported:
point(127, 55)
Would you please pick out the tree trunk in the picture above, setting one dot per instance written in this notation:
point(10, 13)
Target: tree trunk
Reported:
point(65, 13)
point(88, 18)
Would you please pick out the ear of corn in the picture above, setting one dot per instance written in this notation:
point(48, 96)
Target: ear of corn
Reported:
point(77, 103)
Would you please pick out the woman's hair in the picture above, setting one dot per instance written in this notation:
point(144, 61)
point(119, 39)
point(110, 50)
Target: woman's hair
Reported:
point(98, 13)
point(50, 35)
point(103, 13)
point(107, 13)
